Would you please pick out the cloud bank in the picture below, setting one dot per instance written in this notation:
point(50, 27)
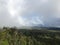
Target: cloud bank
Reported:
point(29, 13)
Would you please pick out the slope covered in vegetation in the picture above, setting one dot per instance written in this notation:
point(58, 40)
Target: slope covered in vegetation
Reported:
point(14, 36)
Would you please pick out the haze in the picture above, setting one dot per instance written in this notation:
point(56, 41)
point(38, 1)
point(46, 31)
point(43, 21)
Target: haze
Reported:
point(30, 13)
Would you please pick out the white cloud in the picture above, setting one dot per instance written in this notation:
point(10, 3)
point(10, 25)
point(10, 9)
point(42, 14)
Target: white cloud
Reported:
point(44, 1)
point(17, 9)
point(13, 10)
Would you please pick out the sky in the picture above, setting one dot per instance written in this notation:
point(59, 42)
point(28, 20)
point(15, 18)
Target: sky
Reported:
point(30, 13)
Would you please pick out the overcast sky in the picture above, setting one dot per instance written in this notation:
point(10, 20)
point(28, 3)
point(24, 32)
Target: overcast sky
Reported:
point(30, 13)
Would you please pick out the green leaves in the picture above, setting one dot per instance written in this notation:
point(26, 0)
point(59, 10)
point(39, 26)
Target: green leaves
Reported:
point(11, 36)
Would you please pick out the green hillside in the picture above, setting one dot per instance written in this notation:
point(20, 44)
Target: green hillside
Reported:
point(14, 36)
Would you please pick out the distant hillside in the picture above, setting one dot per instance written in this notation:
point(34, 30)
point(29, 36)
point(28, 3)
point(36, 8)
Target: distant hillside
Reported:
point(49, 28)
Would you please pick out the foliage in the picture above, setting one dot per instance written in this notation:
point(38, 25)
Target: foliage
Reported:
point(13, 36)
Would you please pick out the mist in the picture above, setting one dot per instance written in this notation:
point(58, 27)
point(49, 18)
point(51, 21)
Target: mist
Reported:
point(30, 13)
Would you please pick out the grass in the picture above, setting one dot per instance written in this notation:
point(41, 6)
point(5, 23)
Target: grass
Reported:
point(4, 42)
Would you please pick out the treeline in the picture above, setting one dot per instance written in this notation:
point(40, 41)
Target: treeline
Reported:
point(14, 36)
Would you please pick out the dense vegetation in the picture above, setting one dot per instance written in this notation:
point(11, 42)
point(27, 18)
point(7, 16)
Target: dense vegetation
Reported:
point(14, 36)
